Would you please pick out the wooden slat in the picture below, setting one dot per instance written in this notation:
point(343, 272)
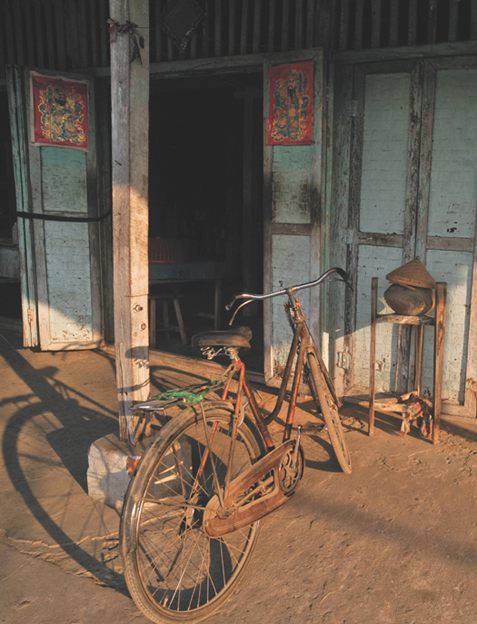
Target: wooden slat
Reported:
point(267, 222)
point(299, 229)
point(232, 13)
point(285, 25)
point(17, 97)
point(380, 240)
point(432, 22)
point(256, 26)
point(130, 128)
point(344, 19)
point(218, 29)
point(394, 23)
point(473, 19)
point(376, 24)
point(453, 16)
point(243, 27)
point(355, 174)
point(298, 25)
point(427, 122)
point(470, 396)
point(412, 23)
point(9, 30)
point(271, 25)
point(443, 243)
point(334, 26)
point(412, 175)
point(358, 25)
point(440, 325)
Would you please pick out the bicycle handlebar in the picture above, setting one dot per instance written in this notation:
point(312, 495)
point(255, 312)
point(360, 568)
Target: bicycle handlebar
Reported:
point(343, 277)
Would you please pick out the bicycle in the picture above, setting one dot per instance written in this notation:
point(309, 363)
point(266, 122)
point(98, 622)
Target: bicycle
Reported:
point(192, 512)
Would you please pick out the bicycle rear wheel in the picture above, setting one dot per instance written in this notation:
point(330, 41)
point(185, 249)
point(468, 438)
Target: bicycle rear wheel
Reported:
point(330, 413)
point(174, 571)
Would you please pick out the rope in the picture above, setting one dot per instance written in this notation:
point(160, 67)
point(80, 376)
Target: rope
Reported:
point(189, 394)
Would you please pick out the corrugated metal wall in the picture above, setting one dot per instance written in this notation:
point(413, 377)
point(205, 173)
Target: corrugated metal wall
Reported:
point(73, 34)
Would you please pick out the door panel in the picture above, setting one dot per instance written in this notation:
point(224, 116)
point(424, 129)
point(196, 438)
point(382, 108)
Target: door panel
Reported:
point(292, 228)
point(63, 251)
point(413, 192)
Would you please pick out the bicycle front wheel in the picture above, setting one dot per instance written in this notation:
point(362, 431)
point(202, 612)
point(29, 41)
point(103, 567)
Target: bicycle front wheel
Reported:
point(174, 571)
point(330, 413)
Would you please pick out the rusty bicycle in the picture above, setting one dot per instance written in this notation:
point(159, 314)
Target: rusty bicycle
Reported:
point(192, 512)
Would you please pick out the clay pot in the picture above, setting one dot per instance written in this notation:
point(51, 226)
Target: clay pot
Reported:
point(409, 302)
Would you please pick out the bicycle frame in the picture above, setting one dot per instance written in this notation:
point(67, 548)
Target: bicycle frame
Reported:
point(302, 344)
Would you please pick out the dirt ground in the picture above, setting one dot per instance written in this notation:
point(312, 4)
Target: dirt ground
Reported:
point(394, 543)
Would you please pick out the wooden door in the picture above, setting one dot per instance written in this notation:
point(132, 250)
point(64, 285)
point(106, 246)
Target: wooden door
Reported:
point(56, 189)
point(412, 192)
point(292, 226)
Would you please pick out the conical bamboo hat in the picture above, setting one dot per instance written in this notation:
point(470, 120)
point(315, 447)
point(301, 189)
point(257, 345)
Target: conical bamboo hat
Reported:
point(413, 274)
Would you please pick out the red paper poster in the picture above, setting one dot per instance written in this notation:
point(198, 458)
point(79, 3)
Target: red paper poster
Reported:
point(290, 119)
point(60, 112)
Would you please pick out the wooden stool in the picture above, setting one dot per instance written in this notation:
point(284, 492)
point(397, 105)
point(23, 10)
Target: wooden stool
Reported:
point(418, 323)
point(166, 327)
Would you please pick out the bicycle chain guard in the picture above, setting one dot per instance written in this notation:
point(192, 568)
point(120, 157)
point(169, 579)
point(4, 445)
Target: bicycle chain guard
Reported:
point(261, 489)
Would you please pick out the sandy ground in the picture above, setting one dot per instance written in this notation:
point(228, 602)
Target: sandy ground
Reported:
point(394, 543)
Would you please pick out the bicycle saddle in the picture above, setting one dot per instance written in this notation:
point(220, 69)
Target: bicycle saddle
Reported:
point(236, 337)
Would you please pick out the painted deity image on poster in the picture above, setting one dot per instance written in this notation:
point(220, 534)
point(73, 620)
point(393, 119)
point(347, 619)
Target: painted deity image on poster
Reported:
point(290, 120)
point(60, 112)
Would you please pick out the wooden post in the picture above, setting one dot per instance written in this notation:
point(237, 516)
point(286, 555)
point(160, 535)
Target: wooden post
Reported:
point(440, 327)
point(130, 136)
point(372, 358)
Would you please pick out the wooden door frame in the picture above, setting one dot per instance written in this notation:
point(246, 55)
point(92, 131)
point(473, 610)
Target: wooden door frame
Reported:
point(422, 102)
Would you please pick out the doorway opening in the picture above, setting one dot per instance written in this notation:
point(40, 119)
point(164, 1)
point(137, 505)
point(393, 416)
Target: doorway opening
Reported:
point(206, 196)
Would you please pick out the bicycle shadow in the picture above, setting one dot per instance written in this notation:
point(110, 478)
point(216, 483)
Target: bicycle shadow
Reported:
point(54, 414)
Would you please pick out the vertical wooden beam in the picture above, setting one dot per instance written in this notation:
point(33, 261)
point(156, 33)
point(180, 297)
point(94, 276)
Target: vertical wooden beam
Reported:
point(376, 24)
point(267, 226)
point(440, 328)
point(412, 23)
point(425, 160)
point(130, 137)
point(372, 354)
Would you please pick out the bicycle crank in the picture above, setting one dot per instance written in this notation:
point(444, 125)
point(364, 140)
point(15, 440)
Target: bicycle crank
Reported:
point(261, 489)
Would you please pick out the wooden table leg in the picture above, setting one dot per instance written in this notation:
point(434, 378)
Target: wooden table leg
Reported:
point(152, 323)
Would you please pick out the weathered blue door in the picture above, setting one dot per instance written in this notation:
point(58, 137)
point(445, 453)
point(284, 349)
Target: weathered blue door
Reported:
point(56, 190)
point(293, 192)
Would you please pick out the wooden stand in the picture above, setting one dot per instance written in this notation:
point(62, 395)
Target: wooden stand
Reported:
point(166, 327)
point(418, 323)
